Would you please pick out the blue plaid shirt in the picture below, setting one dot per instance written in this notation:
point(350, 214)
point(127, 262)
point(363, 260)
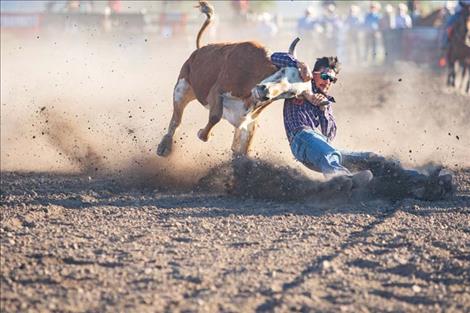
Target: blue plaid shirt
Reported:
point(300, 113)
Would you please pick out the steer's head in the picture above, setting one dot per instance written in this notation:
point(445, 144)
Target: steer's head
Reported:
point(285, 83)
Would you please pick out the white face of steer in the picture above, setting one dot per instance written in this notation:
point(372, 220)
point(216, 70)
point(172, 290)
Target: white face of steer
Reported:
point(285, 83)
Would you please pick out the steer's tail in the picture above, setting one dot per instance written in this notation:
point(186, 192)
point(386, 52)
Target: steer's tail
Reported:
point(208, 10)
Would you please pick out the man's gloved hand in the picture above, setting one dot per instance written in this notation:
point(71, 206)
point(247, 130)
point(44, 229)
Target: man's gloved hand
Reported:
point(316, 99)
point(305, 72)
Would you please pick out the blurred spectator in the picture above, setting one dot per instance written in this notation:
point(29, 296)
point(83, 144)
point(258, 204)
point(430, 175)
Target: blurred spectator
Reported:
point(449, 24)
point(414, 10)
point(306, 24)
point(73, 6)
point(240, 8)
point(79, 6)
point(306, 29)
point(51, 6)
point(87, 6)
point(279, 21)
point(372, 31)
point(114, 6)
point(352, 26)
point(459, 10)
point(403, 19)
point(331, 25)
point(387, 27)
point(447, 12)
point(326, 3)
point(388, 20)
point(266, 27)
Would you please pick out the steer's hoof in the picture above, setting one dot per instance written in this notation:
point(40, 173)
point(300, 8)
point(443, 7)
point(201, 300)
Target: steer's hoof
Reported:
point(164, 148)
point(201, 134)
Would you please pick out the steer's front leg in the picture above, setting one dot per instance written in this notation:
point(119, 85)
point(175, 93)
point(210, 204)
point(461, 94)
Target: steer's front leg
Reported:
point(242, 138)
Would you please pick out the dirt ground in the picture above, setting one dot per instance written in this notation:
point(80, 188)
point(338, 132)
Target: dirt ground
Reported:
point(75, 244)
point(93, 221)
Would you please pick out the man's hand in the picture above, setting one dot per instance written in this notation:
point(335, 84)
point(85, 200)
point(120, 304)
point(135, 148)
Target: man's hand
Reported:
point(305, 72)
point(316, 99)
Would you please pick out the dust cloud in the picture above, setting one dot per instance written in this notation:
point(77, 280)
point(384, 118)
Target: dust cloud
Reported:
point(77, 103)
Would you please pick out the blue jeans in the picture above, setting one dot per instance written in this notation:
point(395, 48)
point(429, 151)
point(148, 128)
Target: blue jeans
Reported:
point(314, 151)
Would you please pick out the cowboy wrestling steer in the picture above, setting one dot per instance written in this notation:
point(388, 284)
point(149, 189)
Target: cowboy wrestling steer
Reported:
point(235, 81)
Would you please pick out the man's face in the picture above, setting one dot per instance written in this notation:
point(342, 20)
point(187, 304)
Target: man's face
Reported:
point(324, 78)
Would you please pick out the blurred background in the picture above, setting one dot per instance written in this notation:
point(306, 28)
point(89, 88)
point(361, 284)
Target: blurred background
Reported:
point(361, 32)
point(87, 85)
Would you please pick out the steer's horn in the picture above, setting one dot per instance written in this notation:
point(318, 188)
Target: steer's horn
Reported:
point(292, 46)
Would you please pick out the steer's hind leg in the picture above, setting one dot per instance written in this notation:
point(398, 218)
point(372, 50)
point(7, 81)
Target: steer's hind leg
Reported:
point(216, 109)
point(182, 95)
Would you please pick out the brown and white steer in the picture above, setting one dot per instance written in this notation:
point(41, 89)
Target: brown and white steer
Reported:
point(235, 81)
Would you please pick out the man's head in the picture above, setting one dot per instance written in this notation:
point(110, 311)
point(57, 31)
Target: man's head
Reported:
point(354, 10)
point(374, 7)
point(310, 12)
point(324, 72)
point(402, 8)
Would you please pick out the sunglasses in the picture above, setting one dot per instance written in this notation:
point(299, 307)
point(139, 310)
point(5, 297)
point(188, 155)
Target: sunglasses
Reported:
point(326, 76)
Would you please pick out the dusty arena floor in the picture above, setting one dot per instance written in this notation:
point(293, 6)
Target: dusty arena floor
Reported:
point(75, 244)
point(93, 221)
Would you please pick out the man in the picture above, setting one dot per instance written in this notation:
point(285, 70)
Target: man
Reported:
point(306, 24)
point(307, 27)
point(304, 117)
point(353, 24)
point(389, 34)
point(403, 19)
point(372, 31)
point(331, 24)
point(463, 8)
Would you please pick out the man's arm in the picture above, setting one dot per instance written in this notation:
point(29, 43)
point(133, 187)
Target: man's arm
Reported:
point(282, 59)
point(316, 99)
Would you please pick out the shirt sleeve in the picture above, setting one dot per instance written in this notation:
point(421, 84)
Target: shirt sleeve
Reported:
point(329, 128)
point(282, 59)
